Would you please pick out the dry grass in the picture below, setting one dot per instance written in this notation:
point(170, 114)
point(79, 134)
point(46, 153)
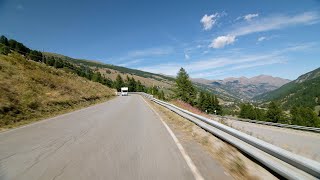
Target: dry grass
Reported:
point(195, 110)
point(235, 163)
point(149, 82)
point(190, 108)
point(30, 91)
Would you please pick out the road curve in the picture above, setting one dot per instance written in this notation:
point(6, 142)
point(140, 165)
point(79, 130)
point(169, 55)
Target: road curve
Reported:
point(118, 139)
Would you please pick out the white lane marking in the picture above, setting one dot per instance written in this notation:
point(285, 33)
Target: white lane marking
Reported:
point(186, 157)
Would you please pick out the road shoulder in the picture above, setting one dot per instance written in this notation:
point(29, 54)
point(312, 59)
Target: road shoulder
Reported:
point(214, 158)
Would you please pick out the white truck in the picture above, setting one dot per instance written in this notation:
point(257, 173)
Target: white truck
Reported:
point(124, 91)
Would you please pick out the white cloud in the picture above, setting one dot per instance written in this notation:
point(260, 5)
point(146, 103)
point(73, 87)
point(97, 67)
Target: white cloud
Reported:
point(186, 56)
point(275, 22)
point(262, 38)
point(209, 21)
point(259, 63)
point(168, 69)
point(266, 24)
point(249, 17)
point(216, 73)
point(141, 54)
point(222, 41)
point(221, 65)
point(208, 67)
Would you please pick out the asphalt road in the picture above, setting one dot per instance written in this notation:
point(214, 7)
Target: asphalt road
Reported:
point(119, 139)
point(304, 143)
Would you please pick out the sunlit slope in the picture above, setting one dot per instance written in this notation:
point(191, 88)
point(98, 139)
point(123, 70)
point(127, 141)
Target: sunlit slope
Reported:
point(304, 91)
point(111, 71)
point(30, 90)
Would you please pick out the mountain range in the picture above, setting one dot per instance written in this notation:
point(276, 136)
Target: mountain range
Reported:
point(229, 88)
point(243, 87)
point(304, 91)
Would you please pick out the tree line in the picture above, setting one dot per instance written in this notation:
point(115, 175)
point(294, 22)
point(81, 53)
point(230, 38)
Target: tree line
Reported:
point(137, 86)
point(185, 91)
point(305, 93)
point(298, 115)
point(6, 46)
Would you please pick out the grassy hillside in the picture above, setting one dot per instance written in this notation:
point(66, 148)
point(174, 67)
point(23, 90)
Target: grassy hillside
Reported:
point(120, 69)
point(304, 91)
point(218, 91)
point(111, 71)
point(32, 90)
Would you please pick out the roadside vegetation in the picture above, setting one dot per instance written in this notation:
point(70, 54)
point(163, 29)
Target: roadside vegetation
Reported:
point(35, 85)
point(117, 68)
point(233, 161)
point(294, 103)
point(86, 69)
point(185, 91)
point(304, 91)
point(298, 115)
point(136, 86)
point(31, 90)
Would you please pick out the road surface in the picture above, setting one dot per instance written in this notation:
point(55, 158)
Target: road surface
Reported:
point(304, 143)
point(119, 139)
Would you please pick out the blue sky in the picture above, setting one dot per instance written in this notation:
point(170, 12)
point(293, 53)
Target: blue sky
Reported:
point(210, 39)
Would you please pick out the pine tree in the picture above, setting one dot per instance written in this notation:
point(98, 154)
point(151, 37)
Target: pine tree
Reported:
point(96, 77)
point(12, 44)
point(35, 55)
point(260, 114)
point(131, 82)
point(274, 113)
point(139, 87)
point(118, 83)
point(184, 89)
point(247, 111)
point(161, 95)
point(154, 90)
point(200, 101)
point(295, 116)
point(4, 40)
point(212, 104)
point(217, 106)
point(127, 80)
point(310, 117)
point(4, 49)
point(304, 116)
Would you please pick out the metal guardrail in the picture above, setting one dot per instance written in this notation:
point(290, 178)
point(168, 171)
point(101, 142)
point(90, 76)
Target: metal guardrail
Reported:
point(304, 128)
point(143, 94)
point(281, 167)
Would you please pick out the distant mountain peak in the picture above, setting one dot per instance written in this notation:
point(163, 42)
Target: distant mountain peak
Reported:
point(304, 91)
point(244, 87)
